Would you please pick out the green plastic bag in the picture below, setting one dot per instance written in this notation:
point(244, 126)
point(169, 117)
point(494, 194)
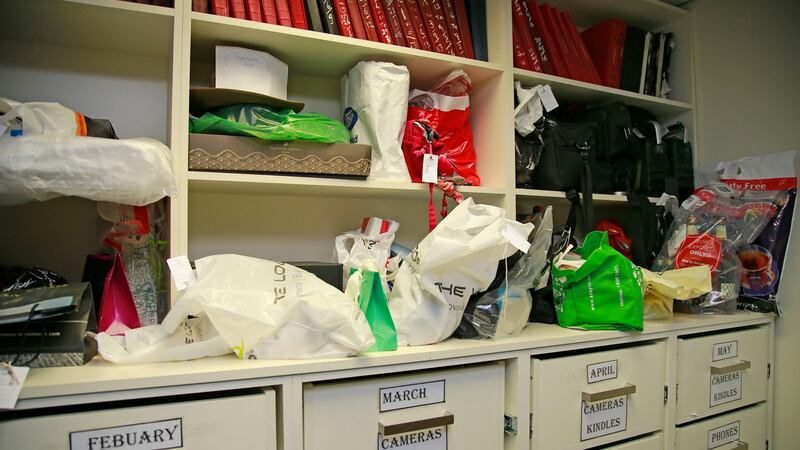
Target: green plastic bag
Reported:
point(270, 125)
point(373, 302)
point(605, 293)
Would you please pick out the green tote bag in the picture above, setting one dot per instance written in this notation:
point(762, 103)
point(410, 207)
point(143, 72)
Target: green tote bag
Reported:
point(605, 293)
point(372, 301)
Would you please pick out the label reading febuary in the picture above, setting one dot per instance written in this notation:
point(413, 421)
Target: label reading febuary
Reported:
point(606, 370)
point(725, 350)
point(164, 434)
point(724, 435)
point(410, 395)
point(725, 388)
point(430, 439)
point(604, 417)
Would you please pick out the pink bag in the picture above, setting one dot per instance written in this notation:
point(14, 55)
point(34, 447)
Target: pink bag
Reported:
point(117, 308)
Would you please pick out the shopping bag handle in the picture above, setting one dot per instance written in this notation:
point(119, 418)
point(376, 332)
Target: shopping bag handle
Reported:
point(416, 425)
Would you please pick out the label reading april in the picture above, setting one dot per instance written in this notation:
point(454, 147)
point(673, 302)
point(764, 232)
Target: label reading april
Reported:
point(142, 436)
point(726, 388)
point(430, 439)
point(725, 350)
point(410, 395)
point(723, 435)
point(606, 370)
point(604, 417)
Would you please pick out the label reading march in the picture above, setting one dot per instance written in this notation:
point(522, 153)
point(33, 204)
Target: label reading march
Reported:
point(725, 388)
point(142, 436)
point(724, 435)
point(430, 439)
point(603, 417)
point(606, 370)
point(410, 395)
point(725, 350)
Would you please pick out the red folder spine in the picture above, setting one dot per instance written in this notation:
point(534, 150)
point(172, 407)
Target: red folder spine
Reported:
point(573, 48)
point(220, 8)
point(463, 26)
point(554, 24)
point(605, 43)
point(591, 71)
point(393, 19)
point(410, 34)
point(284, 14)
point(268, 11)
point(298, 12)
point(439, 16)
point(369, 22)
point(419, 25)
point(536, 37)
point(355, 19)
point(253, 10)
point(520, 56)
point(548, 40)
point(238, 10)
point(200, 6)
point(452, 25)
point(525, 38)
point(343, 18)
point(381, 23)
point(437, 41)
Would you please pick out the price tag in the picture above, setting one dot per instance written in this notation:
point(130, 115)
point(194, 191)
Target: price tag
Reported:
point(730, 170)
point(430, 168)
point(182, 272)
point(516, 239)
point(548, 99)
point(11, 380)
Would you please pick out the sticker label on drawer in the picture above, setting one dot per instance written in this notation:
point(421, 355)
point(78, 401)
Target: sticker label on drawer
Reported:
point(430, 439)
point(603, 417)
point(724, 435)
point(141, 436)
point(726, 388)
point(725, 350)
point(411, 395)
point(601, 371)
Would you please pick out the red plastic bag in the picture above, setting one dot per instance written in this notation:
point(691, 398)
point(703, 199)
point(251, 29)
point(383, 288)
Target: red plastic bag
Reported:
point(445, 111)
point(117, 308)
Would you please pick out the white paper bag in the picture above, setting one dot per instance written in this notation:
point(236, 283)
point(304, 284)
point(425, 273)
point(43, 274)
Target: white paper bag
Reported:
point(457, 259)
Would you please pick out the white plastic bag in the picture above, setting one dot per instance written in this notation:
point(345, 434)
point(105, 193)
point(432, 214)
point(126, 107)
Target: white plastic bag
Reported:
point(371, 244)
point(456, 260)
point(39, 118)
point(259, 309)
point(127, 171)
point(529, 110)
point(374, 99)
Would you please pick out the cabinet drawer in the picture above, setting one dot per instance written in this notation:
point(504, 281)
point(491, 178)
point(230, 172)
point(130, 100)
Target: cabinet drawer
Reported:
point(455, 408)
point(742, 429)
point(721, 372)
point(591, 399)
point(650, 442)
point(241, 422)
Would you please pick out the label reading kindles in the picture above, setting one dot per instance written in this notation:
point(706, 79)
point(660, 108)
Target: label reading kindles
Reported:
point(429, 439)
point(725, 388)
point(410, 395)
point(604, 417)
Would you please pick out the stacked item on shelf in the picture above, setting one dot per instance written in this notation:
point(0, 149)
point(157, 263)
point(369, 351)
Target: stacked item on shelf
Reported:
point(452, 27)
point(167, 3)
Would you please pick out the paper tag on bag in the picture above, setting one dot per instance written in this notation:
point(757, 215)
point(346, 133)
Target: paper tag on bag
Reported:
point(182, 272)
point(516, 239)
point(730, 169)
point(11, 380)
point(430, 168)
point(548, 98)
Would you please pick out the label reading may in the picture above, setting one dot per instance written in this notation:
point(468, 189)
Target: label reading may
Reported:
point(430, 439)
point(603, 417)
point(143, 436)
point(410, 395)
point(723, 435)
point(601, 371)
point(726, 388)
point(725, 350)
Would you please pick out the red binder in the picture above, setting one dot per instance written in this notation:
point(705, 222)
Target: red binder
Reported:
point(253, 10)
point(520, 56)
point(553, 19)
point(343, 18)
point(381, 23)
point(463, 26)
point(452, 24)
point(538, 40)
point(220, 8)
point(369, 22)
point(200, 6)
point(284, 14)
point(298, 11)
point(410, 34)
point(605, 43)
point(428, 16)
point(393, 19)
point(268, 12)
point(238, 10)
point(524, 35)
point(587, 66)
point(355, 19)
point(419, 25)
point(548, 40)
point(442, 27)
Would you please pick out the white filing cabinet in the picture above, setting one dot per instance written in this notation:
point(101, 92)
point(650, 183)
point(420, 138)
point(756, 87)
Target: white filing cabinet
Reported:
point(743, 429)
point(242, 422)
point(595, 398)
point(721, 371)
point(458, 408)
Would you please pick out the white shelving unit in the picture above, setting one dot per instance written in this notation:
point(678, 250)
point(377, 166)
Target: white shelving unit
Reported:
point(134, 64)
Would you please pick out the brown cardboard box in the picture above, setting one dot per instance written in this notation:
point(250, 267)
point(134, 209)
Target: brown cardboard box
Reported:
point(223, 153)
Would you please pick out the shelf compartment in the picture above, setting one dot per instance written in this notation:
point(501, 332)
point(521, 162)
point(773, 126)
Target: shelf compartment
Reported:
point(326, 55)
point(567, 90)
point(561, 197)
point(108, 25)
point(647, 14)
point(258, 184)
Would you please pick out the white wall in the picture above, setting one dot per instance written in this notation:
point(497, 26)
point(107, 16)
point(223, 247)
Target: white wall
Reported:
point(747, 75)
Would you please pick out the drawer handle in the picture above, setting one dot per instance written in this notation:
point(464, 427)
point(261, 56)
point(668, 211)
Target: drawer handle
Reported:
point(592, 397)
point(415, 425)
point(741, 365)
point(741, 446)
